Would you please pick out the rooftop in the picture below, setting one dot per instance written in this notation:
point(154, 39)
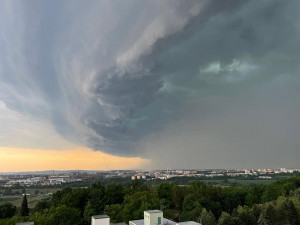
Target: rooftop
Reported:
point(188, 223)
point(118, 223)
point(153, 211)
point(100, 216)
point(137, 222)
point(165, 221)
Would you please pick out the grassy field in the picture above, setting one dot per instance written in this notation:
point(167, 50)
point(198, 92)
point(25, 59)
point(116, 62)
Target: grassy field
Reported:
point(237, 181)
point(249, 182)
point(32, 200)
point(35, 196)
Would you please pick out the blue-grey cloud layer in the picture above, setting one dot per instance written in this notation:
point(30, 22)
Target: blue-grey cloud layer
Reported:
point(116, 75)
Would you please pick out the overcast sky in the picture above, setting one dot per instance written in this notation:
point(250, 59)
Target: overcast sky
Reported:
point(184, 83)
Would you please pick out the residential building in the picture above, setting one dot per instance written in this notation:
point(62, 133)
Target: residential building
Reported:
point(151, 217)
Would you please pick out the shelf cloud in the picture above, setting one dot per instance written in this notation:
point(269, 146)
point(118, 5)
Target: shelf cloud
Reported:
point(212, 82)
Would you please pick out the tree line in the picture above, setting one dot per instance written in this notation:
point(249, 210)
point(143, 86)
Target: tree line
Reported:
point(276, 203)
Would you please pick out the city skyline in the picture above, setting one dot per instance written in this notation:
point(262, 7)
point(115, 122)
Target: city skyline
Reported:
point(103, 85)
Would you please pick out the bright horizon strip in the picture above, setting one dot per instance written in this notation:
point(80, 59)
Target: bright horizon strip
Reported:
point(22, 159)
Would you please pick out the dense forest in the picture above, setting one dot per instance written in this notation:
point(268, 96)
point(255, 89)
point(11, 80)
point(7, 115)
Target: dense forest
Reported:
point(276, 203)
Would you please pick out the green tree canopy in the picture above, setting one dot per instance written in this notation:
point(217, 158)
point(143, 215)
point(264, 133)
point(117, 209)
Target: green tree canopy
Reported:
point(7, 210)
point(24, 207)
point(208, 218)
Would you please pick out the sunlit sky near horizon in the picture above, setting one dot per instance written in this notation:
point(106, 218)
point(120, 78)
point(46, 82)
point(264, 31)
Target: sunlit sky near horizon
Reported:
point(111, 84)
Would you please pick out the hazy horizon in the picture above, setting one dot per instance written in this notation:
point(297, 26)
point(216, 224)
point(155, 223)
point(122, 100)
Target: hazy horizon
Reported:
point(142, 170)
point(107, 84)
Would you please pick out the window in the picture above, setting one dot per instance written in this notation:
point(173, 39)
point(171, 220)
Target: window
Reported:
point(159, 220)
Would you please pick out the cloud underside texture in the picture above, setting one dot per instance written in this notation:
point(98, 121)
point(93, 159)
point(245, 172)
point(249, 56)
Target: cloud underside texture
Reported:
point(185, 83)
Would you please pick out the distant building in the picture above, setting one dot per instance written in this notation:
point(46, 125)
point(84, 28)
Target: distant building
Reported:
point(264, 177)
point(247, 171)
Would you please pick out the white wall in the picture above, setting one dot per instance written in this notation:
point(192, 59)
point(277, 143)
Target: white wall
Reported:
point(102, 221)
point(152, 218)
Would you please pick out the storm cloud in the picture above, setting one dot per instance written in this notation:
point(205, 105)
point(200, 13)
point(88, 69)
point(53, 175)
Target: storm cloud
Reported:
point(185, 83)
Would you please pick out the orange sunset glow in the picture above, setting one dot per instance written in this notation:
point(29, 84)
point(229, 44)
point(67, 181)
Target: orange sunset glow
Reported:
point(19, 159)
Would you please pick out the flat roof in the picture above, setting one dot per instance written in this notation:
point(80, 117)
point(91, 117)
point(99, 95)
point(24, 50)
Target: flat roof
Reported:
point(118, 223)
point(137, 222)
point(100, 216)
point(188, 223)
point(165, 222)
point(153, 211)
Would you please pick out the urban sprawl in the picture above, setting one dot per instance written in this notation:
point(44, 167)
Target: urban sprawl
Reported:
point(61, 177)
